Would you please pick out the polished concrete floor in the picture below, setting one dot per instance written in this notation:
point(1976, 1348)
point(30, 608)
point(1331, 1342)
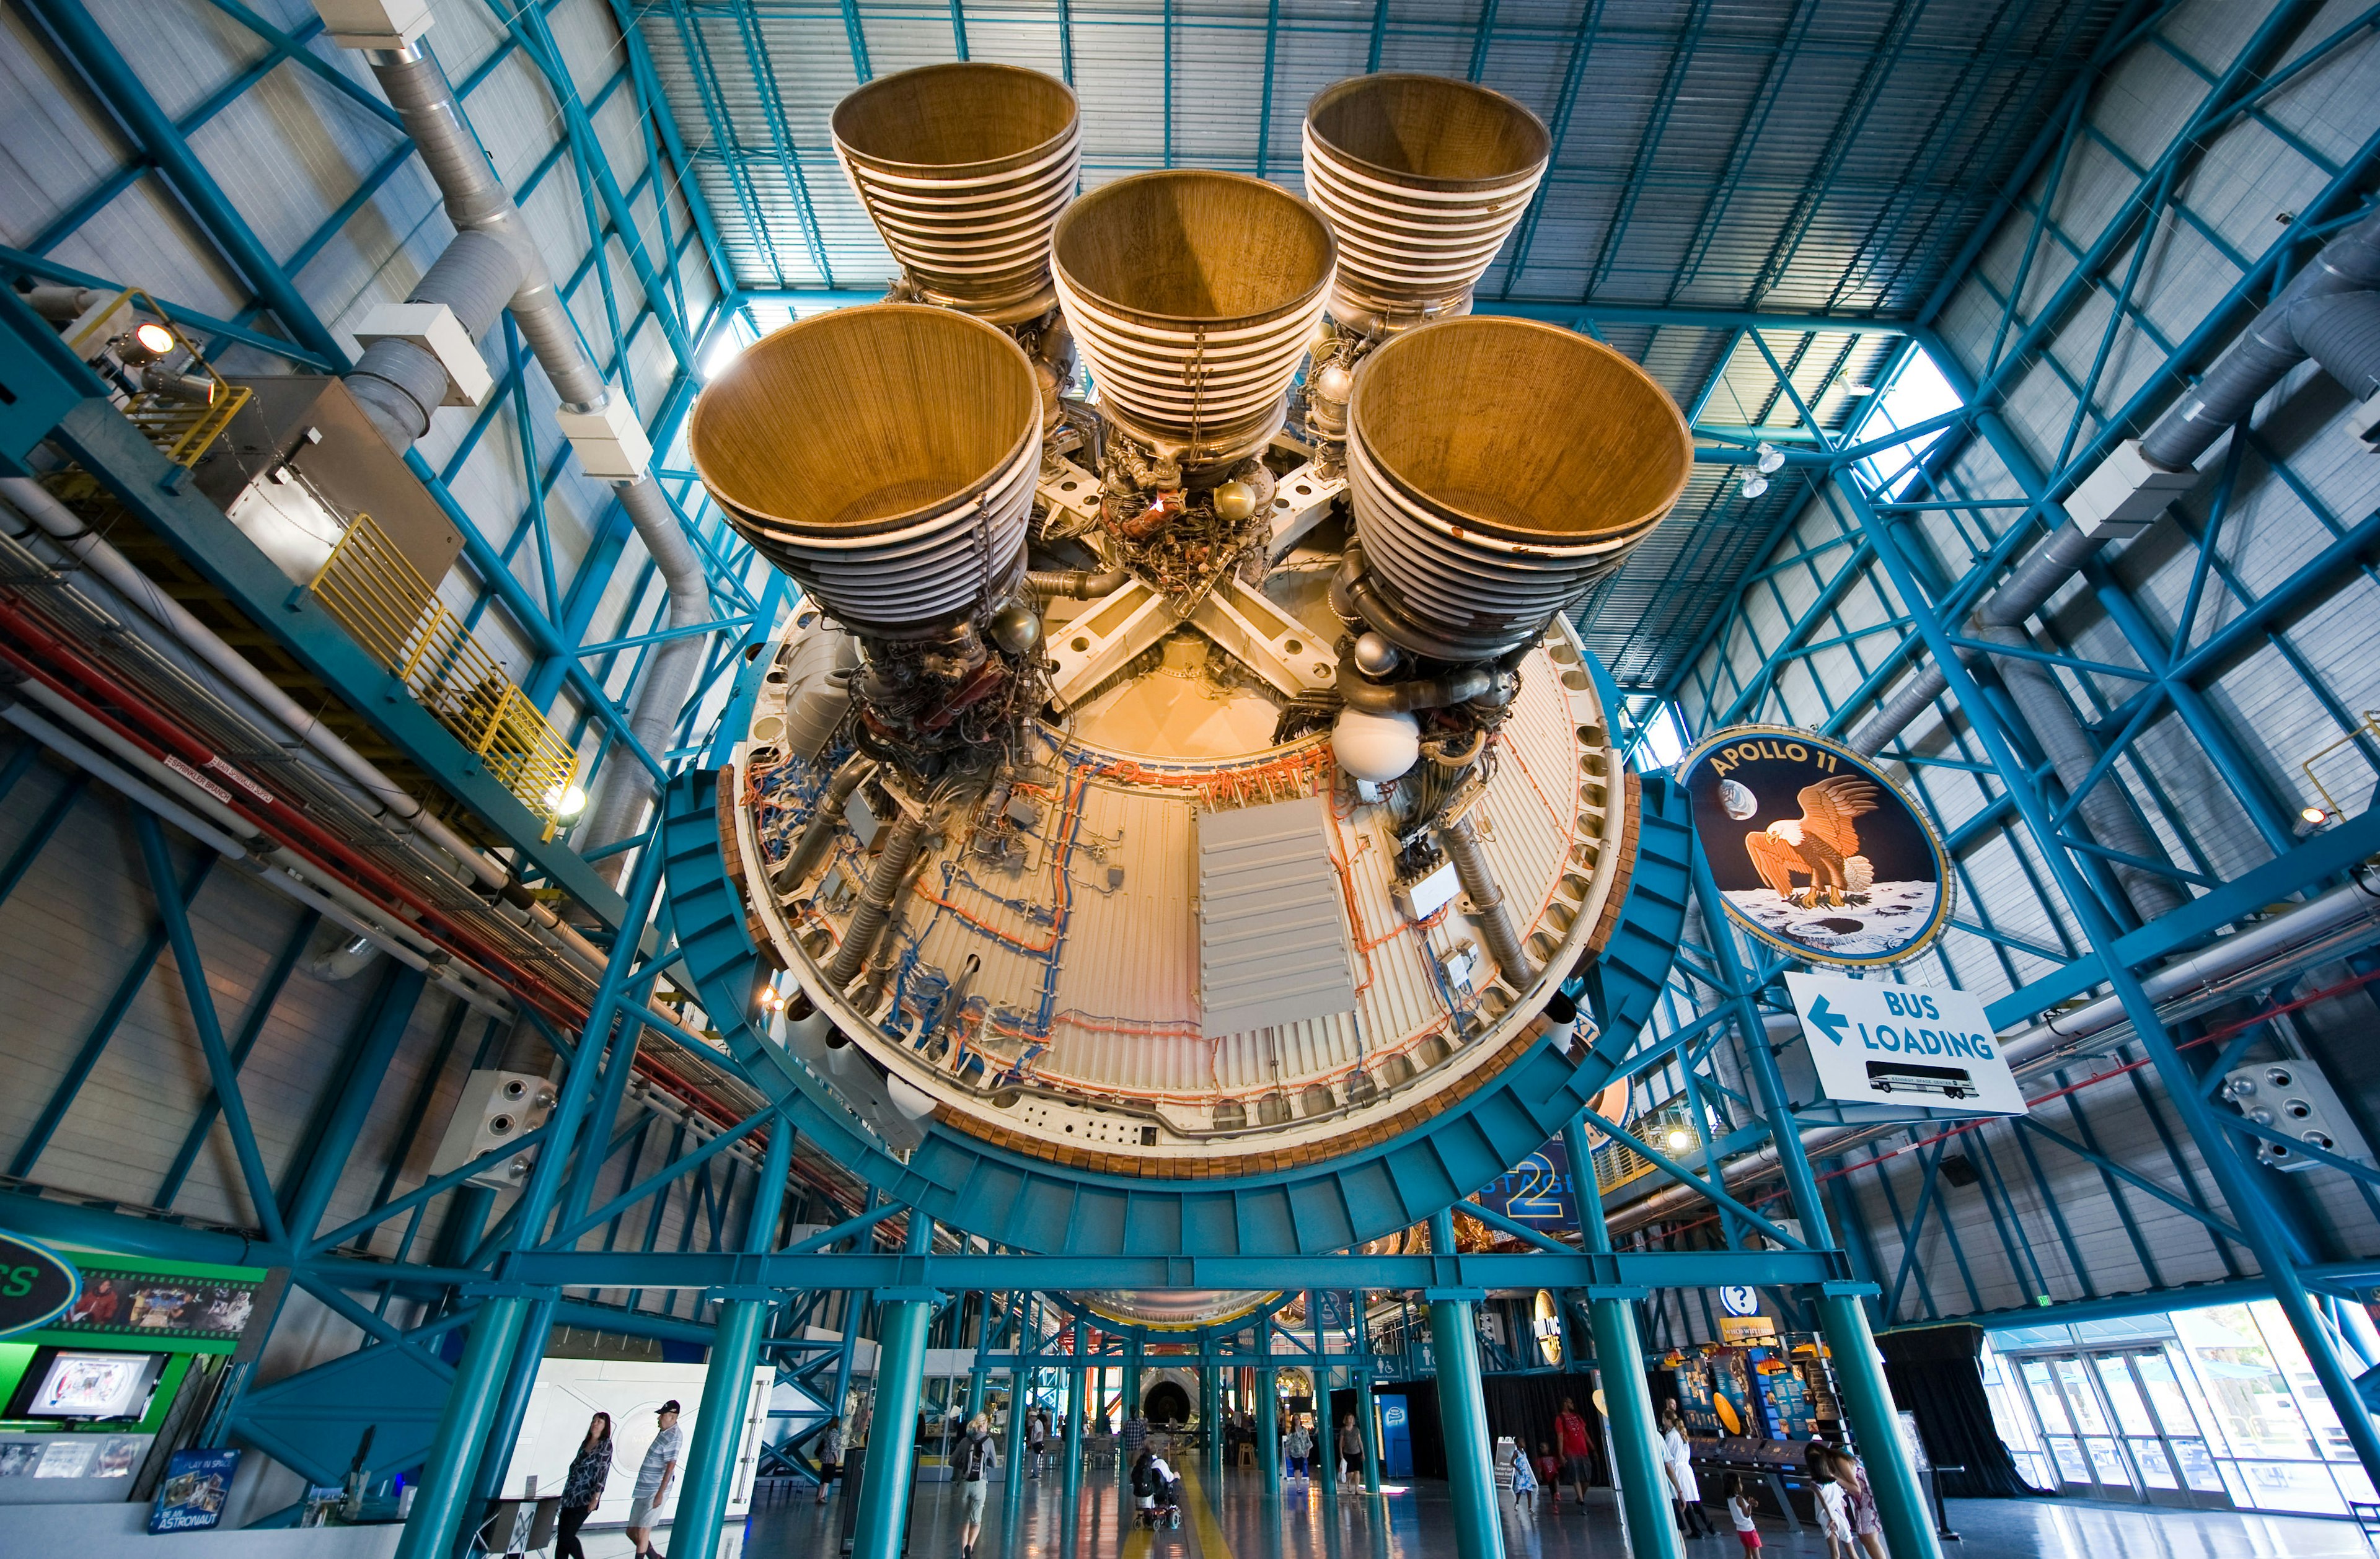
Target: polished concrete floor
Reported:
point(1235, 1521)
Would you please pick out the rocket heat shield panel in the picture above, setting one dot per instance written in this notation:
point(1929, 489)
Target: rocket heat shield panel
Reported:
point(1272, 937)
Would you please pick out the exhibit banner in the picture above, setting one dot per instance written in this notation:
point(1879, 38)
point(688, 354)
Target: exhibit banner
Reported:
point(1815, 851)
point(1876, 1043)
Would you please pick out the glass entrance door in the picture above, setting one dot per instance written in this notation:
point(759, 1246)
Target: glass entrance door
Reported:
point(2142, 1386)
point(2120, 1427)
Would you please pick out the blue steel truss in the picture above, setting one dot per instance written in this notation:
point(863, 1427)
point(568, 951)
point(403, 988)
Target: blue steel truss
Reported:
point(1774, 375)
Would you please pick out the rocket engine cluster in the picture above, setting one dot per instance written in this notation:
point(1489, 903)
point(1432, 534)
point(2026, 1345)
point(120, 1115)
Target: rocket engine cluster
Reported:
point(1131, 511)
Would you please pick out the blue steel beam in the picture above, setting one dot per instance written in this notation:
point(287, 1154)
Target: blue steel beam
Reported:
point(122, 93)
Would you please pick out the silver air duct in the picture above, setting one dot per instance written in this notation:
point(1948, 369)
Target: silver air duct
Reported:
point(608, 443)
point(1192, 295)
point(883, 457)
point(963, 170)
point(1422, 178)
point(1498, 469)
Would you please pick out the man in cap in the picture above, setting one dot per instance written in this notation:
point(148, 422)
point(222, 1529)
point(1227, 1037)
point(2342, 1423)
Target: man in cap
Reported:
point(653, 1482)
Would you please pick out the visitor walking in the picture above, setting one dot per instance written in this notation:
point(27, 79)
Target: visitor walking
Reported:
point(1868, 1521)
point(977, 1459)
point(829, 1457)
point(582, 1487)
point(1570, 1438)
point(653, 1479)
point(1686, 1492)
point(1037, 1438)
point(1299, 1444)
point(1351, 1453)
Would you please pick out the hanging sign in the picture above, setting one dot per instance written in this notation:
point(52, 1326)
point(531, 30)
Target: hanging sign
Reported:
point(36, 1285)
point(1546, 1324)
point(1814, 852)
point(1739, 1299)
point(1926, 1046)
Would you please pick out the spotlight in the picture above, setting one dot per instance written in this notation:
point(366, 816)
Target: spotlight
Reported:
point(149, 341)
point(1755, 485)
point(2315, 816)
point(565, 802)
point(772, 999)
point(192, 389)
point(1680, 1139)
point(1772, 459)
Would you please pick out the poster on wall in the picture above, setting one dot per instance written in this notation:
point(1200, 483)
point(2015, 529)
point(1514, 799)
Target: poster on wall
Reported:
point(1815, 851)
point(147, 1304)
point(190, 1497)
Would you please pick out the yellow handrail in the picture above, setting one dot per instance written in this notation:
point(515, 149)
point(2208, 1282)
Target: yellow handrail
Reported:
point(382, 601)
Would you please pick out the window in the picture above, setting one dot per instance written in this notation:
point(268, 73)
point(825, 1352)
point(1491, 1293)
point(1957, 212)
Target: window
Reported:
point(1915, 392)
point(1659, 738)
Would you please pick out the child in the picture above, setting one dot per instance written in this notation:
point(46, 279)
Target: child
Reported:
point(1550, 1473)
point(1525, 1485)
point(1739, 1514)
point(1834, 1511)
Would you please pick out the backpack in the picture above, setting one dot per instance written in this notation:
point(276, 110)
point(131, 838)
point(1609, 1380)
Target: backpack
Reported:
point(1144, 1481)
point(976, 1446)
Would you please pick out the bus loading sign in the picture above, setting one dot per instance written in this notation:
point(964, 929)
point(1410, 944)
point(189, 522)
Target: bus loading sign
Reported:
point(1912, 1045)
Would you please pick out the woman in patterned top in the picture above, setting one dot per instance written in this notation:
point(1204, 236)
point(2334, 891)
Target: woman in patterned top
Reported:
point(582, 1491)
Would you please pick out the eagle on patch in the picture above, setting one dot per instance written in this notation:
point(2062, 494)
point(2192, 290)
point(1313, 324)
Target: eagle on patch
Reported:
point(1822, 845)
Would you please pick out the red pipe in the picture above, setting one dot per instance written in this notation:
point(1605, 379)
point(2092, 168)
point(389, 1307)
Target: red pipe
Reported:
point(315, 843)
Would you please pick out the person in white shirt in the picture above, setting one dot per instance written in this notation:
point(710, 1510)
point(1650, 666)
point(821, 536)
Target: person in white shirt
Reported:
point(1686, 1494)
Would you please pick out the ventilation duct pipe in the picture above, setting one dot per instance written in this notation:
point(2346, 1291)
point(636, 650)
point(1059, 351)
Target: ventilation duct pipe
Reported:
point(1498, 469)
point(964, 169)
point(603, 430)
point(1422, 178)
point(399, 382)
point(884, 456)
point(2329, 312)
point(2328, 927)
point(1192, 295)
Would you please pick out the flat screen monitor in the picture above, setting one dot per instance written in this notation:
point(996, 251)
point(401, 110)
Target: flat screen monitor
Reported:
point(86, 1384)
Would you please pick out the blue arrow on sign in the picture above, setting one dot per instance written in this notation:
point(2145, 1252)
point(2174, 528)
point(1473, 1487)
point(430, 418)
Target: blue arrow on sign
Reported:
point(1829, 1020)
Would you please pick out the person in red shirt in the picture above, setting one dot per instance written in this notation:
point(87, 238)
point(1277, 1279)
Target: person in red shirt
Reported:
point(1569, 1438)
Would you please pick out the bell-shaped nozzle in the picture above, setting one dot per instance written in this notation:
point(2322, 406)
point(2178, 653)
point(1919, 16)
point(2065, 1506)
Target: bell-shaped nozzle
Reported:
point(1498, 469)
point(1192, 295)
point(1422, 178)
point(883, 457)
point(963, 170)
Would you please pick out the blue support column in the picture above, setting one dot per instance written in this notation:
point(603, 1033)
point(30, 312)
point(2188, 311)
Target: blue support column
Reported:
point(1365, 1412)
point(1907, 1515)
point(892, 1433)
point(471, 1404)
point(1211, 1420)
point(1267, 1417)
point(734, 1344)
point(1077, 1377)
point(1635, 1437)
point(1326, 1424)
point(1463, 1411)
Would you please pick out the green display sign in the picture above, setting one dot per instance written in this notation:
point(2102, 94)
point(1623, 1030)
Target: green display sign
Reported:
point(36, 1285)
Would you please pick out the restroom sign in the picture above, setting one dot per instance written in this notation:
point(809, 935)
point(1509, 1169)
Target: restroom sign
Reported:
point(1915, 1046)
